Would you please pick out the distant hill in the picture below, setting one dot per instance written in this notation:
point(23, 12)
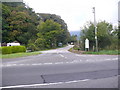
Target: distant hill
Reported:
point(75, 33)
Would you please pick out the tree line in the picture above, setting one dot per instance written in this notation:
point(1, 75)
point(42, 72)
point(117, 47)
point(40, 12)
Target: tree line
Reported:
point(36, 31)
point(107, 36)
point(39, 31)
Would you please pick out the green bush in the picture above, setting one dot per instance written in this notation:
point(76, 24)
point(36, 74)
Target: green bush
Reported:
point(6, 50)
point(76, 47)
point(0, 50)
point(13, 49)
point(17, 49)
point(32, 47)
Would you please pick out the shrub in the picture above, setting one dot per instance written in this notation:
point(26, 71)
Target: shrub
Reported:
point(13, 49)
point(76, 47)
point(32, 47)
point(16, 49)
point(6, 50)
point(0, 50)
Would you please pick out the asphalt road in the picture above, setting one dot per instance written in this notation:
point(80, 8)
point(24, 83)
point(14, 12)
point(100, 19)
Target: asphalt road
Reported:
point(60, 68)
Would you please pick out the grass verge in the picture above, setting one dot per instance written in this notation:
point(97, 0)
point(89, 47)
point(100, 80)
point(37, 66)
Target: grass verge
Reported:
point(102, 52)
point(107, 52)
point(16, 55)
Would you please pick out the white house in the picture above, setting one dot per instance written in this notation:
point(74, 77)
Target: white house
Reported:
point(13, 44)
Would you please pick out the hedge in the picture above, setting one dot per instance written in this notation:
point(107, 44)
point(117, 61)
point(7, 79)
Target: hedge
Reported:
point(13, 49)
point(6, 50)
point(16, 49)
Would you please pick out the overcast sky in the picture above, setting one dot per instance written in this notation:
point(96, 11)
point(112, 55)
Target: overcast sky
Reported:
point(77, 12)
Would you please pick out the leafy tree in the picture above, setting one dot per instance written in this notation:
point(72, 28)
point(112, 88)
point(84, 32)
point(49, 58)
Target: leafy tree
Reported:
point(40, 43)
point(73, 39)
point(105, 33)
point(19, 24)
point(50, 31)
point(5, 25)
point(64, 37)
point(88, 32)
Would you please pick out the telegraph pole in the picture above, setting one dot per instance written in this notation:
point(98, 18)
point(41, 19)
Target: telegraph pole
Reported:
point(96, 40)
point(119, 14)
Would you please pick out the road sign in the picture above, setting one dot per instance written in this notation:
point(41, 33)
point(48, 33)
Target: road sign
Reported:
point(87, 43)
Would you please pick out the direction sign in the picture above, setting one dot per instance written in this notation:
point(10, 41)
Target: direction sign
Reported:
point(86, 43)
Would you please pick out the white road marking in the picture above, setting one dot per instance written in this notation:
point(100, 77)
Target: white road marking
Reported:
point(80, 55)
point(107, 59)
point(34, 64)
point(77, 55)
point(87, 60)
point(67, 62)
point(14, 64)
point(78, 81)
point(61, 62)
point(45, 84)
point(80, 60)
point(115, 59)
point(47, 63)
point(65, 57)
point(61, 55)
point(21, 64)
point(74, 61)
point(8, 65)
point(57, 63)
point(112, 59)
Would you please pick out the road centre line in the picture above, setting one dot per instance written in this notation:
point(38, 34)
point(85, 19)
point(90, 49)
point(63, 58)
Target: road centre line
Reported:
point(37, 64)
point(47, 63)
point(74, 61)
point(21, 64)
point(115, 59)
point(112, 59)
point(45, 84)
point(34, 64)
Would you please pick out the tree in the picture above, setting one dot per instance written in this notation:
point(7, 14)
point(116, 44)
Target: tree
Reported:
point(19, 23)
point(88, 32)
point(5, 25)
point(56, 18)
point(40, 43)
point(50, 31)
point(105, 33)
point(73, 39)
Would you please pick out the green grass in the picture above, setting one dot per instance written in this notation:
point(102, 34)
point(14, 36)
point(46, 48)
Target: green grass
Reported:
point(16, 55)
point(106, 52)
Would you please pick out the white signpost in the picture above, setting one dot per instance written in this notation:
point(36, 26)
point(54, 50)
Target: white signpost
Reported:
point(87, 44)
